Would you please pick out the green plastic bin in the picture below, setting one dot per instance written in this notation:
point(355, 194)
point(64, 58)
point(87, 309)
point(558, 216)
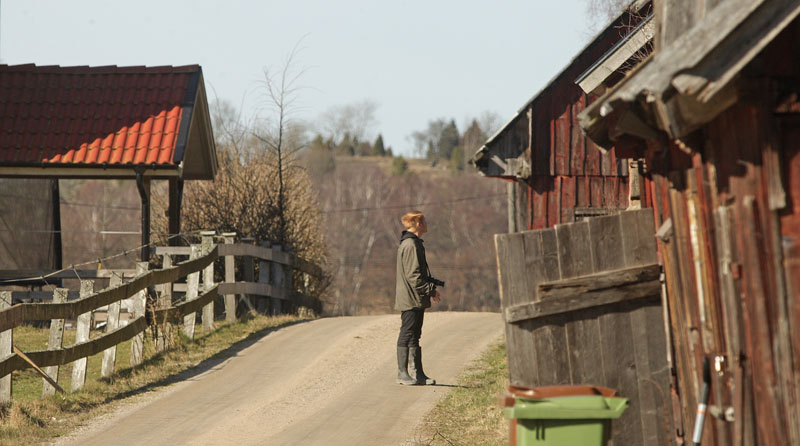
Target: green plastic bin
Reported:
point(570, 420)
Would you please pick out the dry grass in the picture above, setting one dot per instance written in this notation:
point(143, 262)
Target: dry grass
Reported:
point(470, 415)
point(29, 419)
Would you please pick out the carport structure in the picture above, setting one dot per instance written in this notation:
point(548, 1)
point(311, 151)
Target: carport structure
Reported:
point(109, 122)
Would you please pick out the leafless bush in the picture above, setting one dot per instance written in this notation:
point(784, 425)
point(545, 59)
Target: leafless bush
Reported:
point(243, 199)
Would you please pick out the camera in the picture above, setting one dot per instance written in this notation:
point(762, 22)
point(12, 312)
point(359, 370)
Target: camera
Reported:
point(437, 282)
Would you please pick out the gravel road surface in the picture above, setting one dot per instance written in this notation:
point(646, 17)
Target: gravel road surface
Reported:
point(330, 382)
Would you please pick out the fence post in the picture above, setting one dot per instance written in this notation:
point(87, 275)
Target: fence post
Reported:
point(112, 323)
point(230, 277)
point(290, 305)
point(55, 342)
point(208, 280)
point(192, 282)
point(81, 336)
point(278, 283)
point(248, 275)
point(264, 273)
point(137, 344)
point(6, 349)
point(164, 301)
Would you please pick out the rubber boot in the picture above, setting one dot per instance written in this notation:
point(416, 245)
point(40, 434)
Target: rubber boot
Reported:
point(415, 367)
point(403, 377)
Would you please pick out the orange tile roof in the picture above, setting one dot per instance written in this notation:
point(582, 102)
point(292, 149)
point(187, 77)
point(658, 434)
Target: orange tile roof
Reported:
point(93, 115)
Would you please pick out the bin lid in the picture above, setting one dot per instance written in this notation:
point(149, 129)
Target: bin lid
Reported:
point(557, 391)
point(568, 408)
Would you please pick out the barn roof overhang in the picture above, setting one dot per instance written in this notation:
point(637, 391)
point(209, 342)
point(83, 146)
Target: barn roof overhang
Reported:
point(105, 122)
point(594, 74)
point(691, 81)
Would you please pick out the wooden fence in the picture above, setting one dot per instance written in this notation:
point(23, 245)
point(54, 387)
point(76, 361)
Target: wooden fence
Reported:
point(582, 304)
point(274, 288)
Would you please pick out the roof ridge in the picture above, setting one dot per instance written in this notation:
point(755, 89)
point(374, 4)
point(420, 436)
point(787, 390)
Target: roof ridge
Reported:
point(100, 69)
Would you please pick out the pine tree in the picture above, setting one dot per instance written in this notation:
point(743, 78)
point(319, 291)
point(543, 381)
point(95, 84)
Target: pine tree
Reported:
point(457, 159)
point(377, 148)
point(448, 140)
point(473, 139)
point(347, 146)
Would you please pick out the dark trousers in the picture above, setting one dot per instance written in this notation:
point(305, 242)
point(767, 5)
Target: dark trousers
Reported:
point(410, 327)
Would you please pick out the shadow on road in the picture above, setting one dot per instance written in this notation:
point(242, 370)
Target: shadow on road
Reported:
point(198, 369)
point(448, 385)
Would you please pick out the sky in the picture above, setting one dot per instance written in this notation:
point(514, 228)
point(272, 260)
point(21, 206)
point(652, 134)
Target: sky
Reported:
point(417, 60)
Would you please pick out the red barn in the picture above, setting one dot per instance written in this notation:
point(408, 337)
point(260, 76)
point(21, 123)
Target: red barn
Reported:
point(560, 175)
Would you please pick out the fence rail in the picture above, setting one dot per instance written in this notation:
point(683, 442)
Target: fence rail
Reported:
point(274, 282)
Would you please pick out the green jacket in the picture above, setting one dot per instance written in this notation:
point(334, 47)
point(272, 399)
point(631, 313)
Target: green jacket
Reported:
point(412, 289)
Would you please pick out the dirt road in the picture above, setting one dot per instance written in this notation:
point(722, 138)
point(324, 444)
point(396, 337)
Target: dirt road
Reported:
point(326, 382)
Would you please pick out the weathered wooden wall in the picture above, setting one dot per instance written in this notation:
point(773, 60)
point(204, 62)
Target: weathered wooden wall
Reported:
point(731, 259)
point(616, 338)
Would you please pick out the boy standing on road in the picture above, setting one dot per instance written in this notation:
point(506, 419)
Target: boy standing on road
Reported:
point(413, 294)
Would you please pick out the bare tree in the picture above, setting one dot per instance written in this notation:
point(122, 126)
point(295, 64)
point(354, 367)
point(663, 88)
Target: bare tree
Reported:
point(356, 119)
point(281, 135)
point(600, 12)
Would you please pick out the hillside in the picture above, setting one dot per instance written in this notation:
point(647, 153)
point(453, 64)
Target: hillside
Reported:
point(362, 203)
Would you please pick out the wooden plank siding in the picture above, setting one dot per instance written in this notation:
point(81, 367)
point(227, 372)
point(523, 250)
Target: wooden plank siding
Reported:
point(733, 290)
point(567, 325)
point(567, 169)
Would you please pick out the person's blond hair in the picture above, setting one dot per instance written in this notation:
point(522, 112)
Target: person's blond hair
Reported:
point(411, 219)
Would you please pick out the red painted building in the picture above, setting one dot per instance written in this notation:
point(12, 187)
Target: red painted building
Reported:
point(715, 113)
point(560, 175)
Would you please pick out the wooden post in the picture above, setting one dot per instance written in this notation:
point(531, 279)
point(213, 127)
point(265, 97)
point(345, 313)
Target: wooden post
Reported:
point(208, 280)
point(230, 299)
point(249, 271)
point(264, 273)
point(512, 206)
point(174, 210)
point(81, 336)
point(290, 305)
point(139, 299)
point(278, 283)
point(192, 283)
point(112, 323)
point(164, 301)
point(6, 349)
point(55, 342)
point(634, 185)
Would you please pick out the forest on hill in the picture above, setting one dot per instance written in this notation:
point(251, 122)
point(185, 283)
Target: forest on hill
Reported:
point(362, 202)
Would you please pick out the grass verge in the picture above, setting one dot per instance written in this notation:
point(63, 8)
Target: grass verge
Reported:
point(470, 414)
point(30, 419)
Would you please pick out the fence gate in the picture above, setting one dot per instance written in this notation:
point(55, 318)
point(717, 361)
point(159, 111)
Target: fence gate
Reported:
point(582, 304)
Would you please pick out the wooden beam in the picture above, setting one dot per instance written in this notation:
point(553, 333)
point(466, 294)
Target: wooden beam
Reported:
point(41, 372)
point(112, 323)
point(230, 299)
point(45, 358)
point(611, 62)
point(6, 350)
point(174, 250)
point(139, 304)
point(54, 343)
point(589, 291)
point(14, 316)
point(6, 274)
point(174, 209)
point(106, 172)
point(208, 281)
point(192, 284)
point(81, 336)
